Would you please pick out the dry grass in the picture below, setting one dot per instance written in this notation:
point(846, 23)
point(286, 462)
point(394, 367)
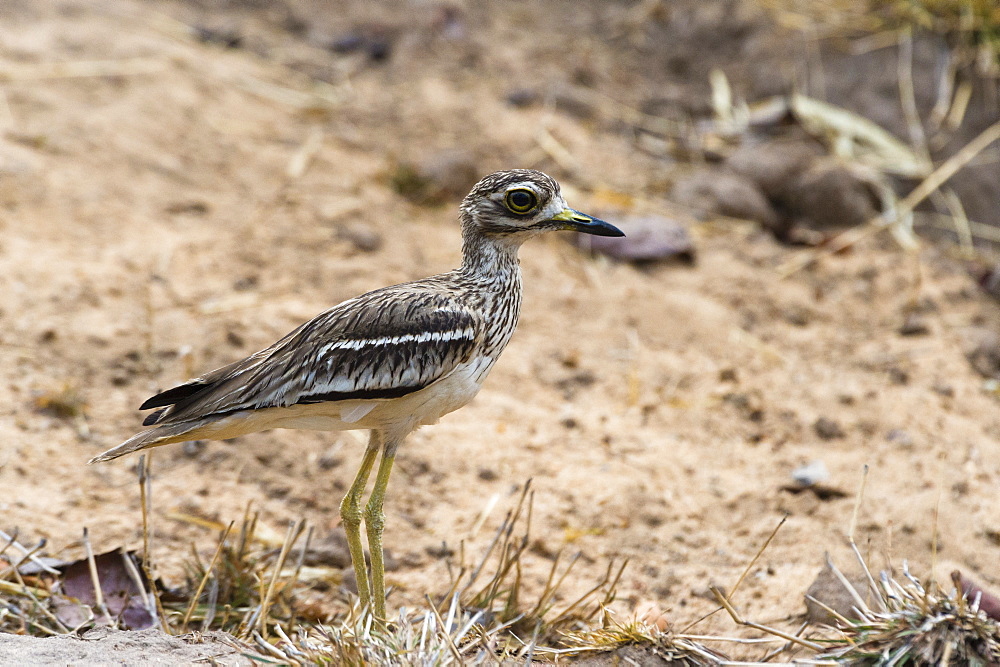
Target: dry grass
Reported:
point(916, 625)
point(972, 27)
point(486, 617)
point(249, 589)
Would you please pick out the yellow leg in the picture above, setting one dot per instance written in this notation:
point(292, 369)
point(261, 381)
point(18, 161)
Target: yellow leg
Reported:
point(350, 516)
point(374, 524)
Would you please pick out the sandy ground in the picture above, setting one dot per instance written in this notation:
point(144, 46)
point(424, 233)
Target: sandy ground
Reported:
point(119, 647)
point(152, 228)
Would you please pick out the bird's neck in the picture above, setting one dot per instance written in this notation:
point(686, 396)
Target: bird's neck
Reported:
point(490, 258)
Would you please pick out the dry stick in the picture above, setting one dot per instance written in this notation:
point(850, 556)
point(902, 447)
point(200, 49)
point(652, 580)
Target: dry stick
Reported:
point(31, 593)
point(27, 554)
point(10, 540)
point(294, 531)
point(743, 576)
point(907, 98)
point(133, 574)
point(857, 504)
point(484, 514)
point(934, 540)
point(506, 527)
point(265, 646)
point(145, 498)
point(96, 580)
point(735, 615)
point(757, 556)
point(935, 180)
point(302, 555)
point(569, 609)
point(979, 230)
point(305, 154)
point(959, 106)
point(210, 606)
point(784, 647)
point(444, 630)
point(833, 612)
point(83, 68)
point(945, 92)
point(960, 220)
point(862, 606)
point(19, 589)
point(205, 578)
point(852, 528)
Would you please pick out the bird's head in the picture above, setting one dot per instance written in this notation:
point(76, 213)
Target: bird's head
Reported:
point(521, 203)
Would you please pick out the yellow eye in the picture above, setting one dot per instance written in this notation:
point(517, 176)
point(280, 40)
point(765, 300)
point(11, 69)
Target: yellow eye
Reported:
point(521, 201)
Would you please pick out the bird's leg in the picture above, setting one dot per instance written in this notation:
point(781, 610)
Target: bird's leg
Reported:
point(374, 524)
point(350, 516)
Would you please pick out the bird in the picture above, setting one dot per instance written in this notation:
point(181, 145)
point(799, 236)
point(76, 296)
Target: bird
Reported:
point(388, 361)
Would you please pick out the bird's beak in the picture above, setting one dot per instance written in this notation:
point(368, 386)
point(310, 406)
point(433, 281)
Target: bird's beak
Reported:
point(578, 222)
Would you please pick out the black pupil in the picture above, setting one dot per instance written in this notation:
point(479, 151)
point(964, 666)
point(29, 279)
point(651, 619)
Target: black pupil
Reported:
point(521, 200)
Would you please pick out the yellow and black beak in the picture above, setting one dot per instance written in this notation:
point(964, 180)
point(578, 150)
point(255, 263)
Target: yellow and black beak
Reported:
point(578, 222)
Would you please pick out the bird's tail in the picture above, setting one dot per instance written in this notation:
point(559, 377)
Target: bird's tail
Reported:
point(154, 437)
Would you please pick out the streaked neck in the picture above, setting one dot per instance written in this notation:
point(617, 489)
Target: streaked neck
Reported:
point(492, 258)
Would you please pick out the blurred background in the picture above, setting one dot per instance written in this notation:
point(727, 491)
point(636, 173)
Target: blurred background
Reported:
point(808, 285)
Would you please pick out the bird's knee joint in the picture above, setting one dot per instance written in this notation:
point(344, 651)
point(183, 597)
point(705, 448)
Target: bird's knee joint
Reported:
point(374, 518)
point(350, 514)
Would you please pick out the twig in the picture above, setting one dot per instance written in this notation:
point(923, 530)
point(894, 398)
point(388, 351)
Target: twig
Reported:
point(27, 554)
point(148, 600)
point(858, 600)
point(21, 589)
point(735, 615)
point(979, 230)
point(304, 155)
point(30, 592)
point(94, 578)
point(484, 514)
point(907, 98)
point(757, 556)
point(294, 531)
point(145, 499)
point(857, 503)
point(950, 167)
point(205, 578)
point(444, 631)
point(81, 69)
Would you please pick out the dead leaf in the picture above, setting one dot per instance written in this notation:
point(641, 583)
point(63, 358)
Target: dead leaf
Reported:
point(126, 604)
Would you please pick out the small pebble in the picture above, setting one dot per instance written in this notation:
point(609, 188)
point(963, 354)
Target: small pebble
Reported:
point(899, 437)
point(362, 237)
point(831, 593)
point(914, 325)
point(521, 98)
point(828, 429)
point(945, 390)
point(812, 473)
point(193, 448)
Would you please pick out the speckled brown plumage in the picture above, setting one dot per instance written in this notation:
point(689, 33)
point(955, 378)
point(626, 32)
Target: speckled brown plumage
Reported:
point(389, 360)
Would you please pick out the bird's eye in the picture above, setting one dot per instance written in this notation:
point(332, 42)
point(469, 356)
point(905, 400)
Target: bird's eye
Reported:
point(521, 201)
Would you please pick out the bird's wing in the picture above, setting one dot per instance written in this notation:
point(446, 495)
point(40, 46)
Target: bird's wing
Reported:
point(380, 345)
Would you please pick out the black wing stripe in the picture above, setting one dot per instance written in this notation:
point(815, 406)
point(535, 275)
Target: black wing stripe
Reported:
point(393, 392)
point(174, 395)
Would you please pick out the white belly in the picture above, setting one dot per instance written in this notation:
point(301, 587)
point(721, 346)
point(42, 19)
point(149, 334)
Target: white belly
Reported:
point(420, 408)
point(431, 403)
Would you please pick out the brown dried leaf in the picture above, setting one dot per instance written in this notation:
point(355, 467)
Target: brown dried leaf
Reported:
point(124, 601)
